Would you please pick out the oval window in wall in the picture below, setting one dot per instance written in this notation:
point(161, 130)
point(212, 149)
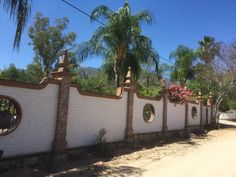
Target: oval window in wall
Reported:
point(148, 113)
point(10, 115)
point(194, 112)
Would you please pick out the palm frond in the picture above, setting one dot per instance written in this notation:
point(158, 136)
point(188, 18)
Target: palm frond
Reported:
point(145, 16)
point(101, 12)
point(19, 10)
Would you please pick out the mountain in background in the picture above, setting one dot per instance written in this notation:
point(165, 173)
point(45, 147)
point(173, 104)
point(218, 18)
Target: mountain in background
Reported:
point(88, 72)
point(91, 72)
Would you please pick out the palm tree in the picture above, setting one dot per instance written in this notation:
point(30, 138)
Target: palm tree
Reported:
point(184, 69)
point(119, 41)
point(207, 50)
point(208, 47)
point(19, 11)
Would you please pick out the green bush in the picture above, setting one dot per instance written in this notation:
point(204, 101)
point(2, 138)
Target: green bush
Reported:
point(97, 84)
point(232, 105)
point(102, 147)
point(224, 106)
point(152, 91)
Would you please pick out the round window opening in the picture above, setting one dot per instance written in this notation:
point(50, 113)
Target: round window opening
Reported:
point(148, 113)
point(10, 115)
point(194, 112)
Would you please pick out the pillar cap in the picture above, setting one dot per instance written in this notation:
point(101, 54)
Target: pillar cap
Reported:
point(199, 97)
point(128, 84)
point(63, 69)
point(128, 76)
point(163, 83)
point(210, 96)
point(63, 63)
point(210, 99)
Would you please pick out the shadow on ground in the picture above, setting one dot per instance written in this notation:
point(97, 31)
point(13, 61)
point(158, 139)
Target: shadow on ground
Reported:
point(88, 164)
point(93, 171)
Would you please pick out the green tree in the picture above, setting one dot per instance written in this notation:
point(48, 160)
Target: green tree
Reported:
point(218, 70)
point(207, 50)
point(49, 41)
point(97, 84)
point(12, 73)
point(34, 72)
point(184, 69)
point(19, 11)
point(120, 40)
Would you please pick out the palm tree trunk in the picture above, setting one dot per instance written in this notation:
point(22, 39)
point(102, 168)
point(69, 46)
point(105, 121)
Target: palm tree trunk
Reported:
point(117, 73)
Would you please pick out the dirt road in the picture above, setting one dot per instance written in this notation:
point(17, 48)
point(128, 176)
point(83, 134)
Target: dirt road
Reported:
point(213, 155)
point(212, 159)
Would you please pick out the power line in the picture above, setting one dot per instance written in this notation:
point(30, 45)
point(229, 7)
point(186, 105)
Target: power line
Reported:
point(83, 12)
point(166, 60)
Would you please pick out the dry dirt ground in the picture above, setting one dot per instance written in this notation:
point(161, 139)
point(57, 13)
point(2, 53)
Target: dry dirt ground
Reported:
point(201, 156)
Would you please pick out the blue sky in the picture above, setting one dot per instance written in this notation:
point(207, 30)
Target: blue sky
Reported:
point(176, 22)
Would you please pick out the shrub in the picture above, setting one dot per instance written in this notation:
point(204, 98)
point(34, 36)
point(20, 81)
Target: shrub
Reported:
point(179, 93)
point(152, 91)
point(102, 147)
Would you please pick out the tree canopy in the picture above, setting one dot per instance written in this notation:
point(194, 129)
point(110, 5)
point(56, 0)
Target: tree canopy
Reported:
point(48, 41)
point(120, 40)
point(184, 68)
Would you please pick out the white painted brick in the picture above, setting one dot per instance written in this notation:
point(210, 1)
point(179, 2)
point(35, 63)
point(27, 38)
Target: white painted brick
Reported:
point(139, 125)
point(192, 121)
point(87, 115)
point(35, 132)
point(175, 116)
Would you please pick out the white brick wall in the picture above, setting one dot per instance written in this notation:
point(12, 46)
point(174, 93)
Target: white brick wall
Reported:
point(228, 115)
point(192, 121)
point(204, 114)
point(87, 115)
point(175, 116)
point(35, 132)
point(209, 114)
point(139, 125)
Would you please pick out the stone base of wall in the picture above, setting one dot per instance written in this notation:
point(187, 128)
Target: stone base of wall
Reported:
point(45, 160)
point(41, 160)
point(147, 138)
point(196, 129)
point(156, 138)
point(175, 134)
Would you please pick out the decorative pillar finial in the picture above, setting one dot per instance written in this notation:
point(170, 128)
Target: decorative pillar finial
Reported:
point(63, 63)
point(199, 97)
point(128, 76)
point(63, 69)
point(163, 83)
point(210, 99)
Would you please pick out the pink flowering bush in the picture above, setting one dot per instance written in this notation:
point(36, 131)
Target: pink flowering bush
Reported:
point(179, 94)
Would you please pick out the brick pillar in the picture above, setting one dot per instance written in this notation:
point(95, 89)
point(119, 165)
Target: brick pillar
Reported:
point(186, 122)
point(200, 101)
point(165, 96)
point(210, 104)
point(207, 109)
point(64, 76)
point(130, 88)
